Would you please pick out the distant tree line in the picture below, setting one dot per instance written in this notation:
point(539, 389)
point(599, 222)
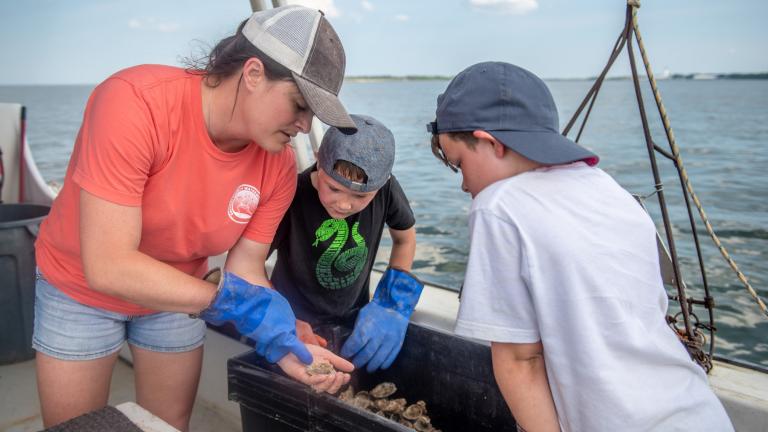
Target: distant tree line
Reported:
point(399, 78)
point(734, 76)
point(758, 75)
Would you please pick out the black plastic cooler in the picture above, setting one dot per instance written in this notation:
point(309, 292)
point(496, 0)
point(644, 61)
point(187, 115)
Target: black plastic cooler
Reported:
point(453, 375)
point(19, 224)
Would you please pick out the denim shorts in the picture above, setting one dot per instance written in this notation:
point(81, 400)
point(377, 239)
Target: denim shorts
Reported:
point(68, 330)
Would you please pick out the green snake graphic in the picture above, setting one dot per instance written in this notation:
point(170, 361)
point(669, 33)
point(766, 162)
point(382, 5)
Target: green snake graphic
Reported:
point(350, 262)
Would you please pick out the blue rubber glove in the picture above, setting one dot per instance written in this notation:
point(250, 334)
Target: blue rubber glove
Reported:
point(261, 314)
point(381, 324)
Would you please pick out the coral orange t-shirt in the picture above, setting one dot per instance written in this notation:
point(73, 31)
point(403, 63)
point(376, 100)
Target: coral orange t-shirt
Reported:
point(143, 143)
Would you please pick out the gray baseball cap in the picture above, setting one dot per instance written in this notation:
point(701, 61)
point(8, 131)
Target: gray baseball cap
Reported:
point(302, 40)
point(514, 106)
point(371, 148)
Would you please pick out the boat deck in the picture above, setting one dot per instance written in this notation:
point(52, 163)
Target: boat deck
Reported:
point(20, 408)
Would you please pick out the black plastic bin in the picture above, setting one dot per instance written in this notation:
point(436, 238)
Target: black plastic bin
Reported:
point(453, 375)
point(19, 224)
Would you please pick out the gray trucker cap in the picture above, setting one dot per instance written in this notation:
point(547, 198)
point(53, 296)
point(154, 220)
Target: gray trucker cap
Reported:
point(302, 40)
point(371, 148)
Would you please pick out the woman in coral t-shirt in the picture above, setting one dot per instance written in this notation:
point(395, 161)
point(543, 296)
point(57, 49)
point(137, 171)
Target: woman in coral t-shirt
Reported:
point(172, 166)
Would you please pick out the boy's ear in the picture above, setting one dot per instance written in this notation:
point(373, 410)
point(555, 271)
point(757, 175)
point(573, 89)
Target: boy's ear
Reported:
point(498, 147)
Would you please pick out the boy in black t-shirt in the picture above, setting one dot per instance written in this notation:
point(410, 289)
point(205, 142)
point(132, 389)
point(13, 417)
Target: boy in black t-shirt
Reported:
point(327, 242)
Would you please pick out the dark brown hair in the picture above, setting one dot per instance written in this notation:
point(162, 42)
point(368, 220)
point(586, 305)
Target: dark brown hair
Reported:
point(228, 57)
point(466, 137)
point(350, 171)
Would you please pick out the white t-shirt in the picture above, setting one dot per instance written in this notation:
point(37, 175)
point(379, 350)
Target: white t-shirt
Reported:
point(566, 256)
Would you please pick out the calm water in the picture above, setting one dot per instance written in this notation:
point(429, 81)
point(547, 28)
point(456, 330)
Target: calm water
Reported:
point(721, 127)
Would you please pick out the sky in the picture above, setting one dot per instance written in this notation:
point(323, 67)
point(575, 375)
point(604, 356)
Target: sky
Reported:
point(83, 42)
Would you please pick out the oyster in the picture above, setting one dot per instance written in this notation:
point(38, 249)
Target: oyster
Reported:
point(348, 394)
point(362, 402)
point(321, 367)
point(413, 412)
point(399, 406)
point(398, 410)
point(392, 406)
point(383, 390)
point(422, 424)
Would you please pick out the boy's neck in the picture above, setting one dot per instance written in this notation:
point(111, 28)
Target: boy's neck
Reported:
point(313, 178)
point(519, 164)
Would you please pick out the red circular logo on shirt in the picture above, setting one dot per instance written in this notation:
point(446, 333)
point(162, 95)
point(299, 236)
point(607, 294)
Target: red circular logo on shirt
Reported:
point(243, 203)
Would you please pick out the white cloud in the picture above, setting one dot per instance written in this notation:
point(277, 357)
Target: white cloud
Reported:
point(153, 24)
point(367, 5)
point(402, 17)
point(166, 27)
point(515, 7)
point(327, 6)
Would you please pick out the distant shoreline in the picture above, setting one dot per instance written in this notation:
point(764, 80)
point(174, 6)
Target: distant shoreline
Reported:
point(387, 78)
point(691, 76)
point(376, 78)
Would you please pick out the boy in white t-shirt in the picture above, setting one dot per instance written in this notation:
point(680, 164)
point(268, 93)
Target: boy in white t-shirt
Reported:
point(563, 275)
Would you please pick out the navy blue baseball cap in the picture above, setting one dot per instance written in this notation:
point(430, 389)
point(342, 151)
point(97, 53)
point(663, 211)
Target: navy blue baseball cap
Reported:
point(514, 106)
point(371, 148)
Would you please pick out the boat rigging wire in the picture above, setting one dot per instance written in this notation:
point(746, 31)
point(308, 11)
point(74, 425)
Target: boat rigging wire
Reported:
point(690, 336)
point(683, 173)
point(2, 175)
point(22, 144)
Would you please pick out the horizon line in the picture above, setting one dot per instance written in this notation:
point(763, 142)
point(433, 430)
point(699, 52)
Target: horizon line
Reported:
point(438, 77)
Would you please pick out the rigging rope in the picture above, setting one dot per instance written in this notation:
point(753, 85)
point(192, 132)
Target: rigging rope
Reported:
point(635, 4)
point(690, 335)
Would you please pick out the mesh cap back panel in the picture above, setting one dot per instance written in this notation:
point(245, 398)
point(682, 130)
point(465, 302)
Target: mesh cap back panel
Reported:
point(266, 15)
point(284, 34)
point(294, 30)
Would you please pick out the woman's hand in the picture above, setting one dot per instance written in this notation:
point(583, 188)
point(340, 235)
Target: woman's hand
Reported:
point(306, 335)
point(320, 383)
